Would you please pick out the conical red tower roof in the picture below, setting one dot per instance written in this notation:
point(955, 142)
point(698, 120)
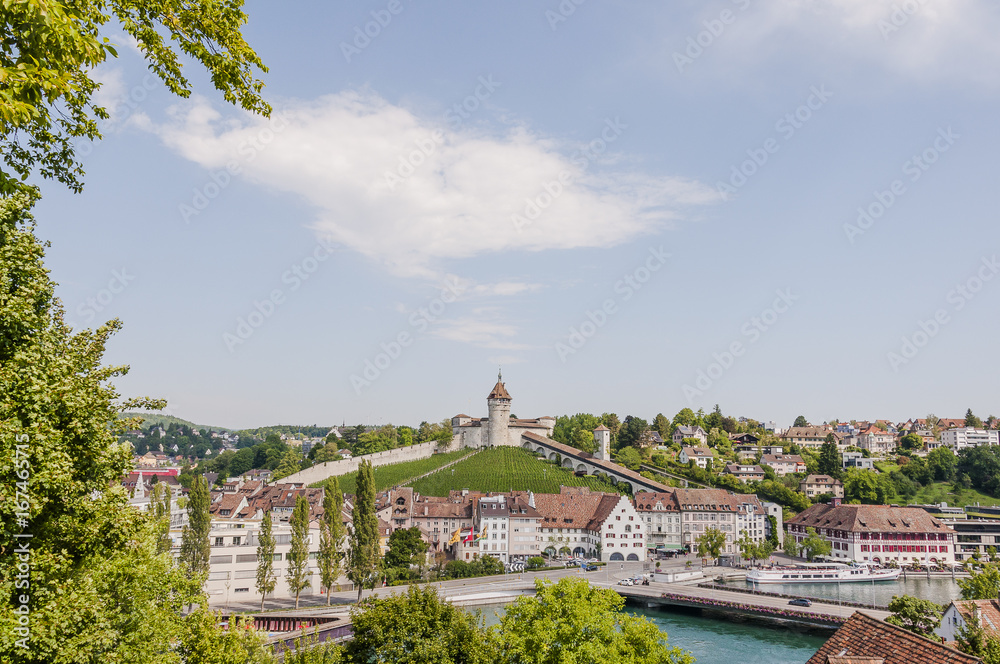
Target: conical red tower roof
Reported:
point(499, 391)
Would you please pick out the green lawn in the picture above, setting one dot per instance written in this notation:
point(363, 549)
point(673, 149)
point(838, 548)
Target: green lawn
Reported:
point(886, 466)
point(504, 469)
point(398, 473)
point(941, 492)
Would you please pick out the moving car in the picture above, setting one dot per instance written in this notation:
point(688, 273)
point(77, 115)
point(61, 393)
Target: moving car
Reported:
point(800, 601)
point(589, 567)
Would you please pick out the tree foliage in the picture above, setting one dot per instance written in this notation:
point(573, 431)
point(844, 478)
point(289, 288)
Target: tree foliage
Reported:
point(920, 616)
point(814, 545)
point(331, 537)
point(101, 591)
point(481, 566)
point(418, 627)
point(754, 551)
point(629, 457)
point(942, 463)
point(982, 465)
point(195, 550)
point(973, 640)
point(776, 491)
point(983, 583)
point(868, 487)
point(206, 641)
point(829, 458)
point(711, 543)
point(572, 621)
point(267, 578)
point(632, 432)
point(406, 549)
point(773, 537)
point(366, 552)
point(297, 572)
point(577, 431)
point(48, 60)
point(911, 441)
point(160, 501)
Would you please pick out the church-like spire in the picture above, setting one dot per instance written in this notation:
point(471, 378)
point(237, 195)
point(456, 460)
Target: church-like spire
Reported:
point(499, 391)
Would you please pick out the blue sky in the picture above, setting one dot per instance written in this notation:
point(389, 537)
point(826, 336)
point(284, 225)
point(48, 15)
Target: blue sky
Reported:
point(633, 207)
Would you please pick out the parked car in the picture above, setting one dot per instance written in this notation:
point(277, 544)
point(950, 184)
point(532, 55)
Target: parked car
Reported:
point(800, 601)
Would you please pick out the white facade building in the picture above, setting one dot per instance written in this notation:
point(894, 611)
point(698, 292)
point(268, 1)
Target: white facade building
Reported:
point(878, 533)
point(663, 519)
point(623, 534)
point(732, 513)
point(958, 439)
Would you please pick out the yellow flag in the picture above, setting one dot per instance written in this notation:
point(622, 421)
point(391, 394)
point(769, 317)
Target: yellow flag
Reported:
point(455, 536)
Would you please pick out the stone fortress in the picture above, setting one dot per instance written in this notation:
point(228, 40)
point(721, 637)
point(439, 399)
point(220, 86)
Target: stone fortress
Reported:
point(497, 428)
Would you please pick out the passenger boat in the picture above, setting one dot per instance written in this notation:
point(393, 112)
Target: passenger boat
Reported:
point(827, 573)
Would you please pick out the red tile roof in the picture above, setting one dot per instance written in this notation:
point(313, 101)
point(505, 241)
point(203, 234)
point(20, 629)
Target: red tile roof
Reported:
point(863, 636)
point(499, 392)
point(989, 611)
point(715, 500)
point(647, 501)
point(870, 518)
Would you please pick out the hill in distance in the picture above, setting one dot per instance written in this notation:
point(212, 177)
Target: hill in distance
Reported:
point(158, 419)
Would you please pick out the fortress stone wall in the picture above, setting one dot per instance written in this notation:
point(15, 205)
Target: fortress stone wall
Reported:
point(321, 471)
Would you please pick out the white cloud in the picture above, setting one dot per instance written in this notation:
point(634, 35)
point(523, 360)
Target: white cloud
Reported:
point(112, 86)
point(926, 40)
point(504, 360)
point(483, 328)
point(344, 152)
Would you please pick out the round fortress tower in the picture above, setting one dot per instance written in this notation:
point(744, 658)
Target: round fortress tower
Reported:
point(499, 409)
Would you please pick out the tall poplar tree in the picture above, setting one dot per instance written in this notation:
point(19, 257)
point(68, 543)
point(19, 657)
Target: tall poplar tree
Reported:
point(829, 457)
point(195, 550)
point(366, 553)
point(331, 536)
point(159, 505)
point(266, 577)
point(297, 573)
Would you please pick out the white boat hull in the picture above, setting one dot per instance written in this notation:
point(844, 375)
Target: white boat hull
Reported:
point(806, 575)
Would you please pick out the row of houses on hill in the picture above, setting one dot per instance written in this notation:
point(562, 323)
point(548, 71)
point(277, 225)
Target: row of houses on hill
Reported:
point(465, 525)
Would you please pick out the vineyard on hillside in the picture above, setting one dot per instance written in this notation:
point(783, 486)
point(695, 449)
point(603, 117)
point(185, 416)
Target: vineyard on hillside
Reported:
point(503, 469)
point(398, 473)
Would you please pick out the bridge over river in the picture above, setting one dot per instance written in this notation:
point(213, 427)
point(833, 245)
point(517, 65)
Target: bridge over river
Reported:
point(334, 620)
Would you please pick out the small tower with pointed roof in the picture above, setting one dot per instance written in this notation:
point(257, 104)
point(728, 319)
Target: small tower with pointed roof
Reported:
point(602, 439)
point(499, 420)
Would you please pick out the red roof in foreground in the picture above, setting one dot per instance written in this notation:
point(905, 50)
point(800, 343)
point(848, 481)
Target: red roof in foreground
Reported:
point(865, 637)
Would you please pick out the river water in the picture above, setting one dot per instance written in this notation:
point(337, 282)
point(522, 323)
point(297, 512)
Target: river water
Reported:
point(720, 639)
point(716, 639)
point(938, 589)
